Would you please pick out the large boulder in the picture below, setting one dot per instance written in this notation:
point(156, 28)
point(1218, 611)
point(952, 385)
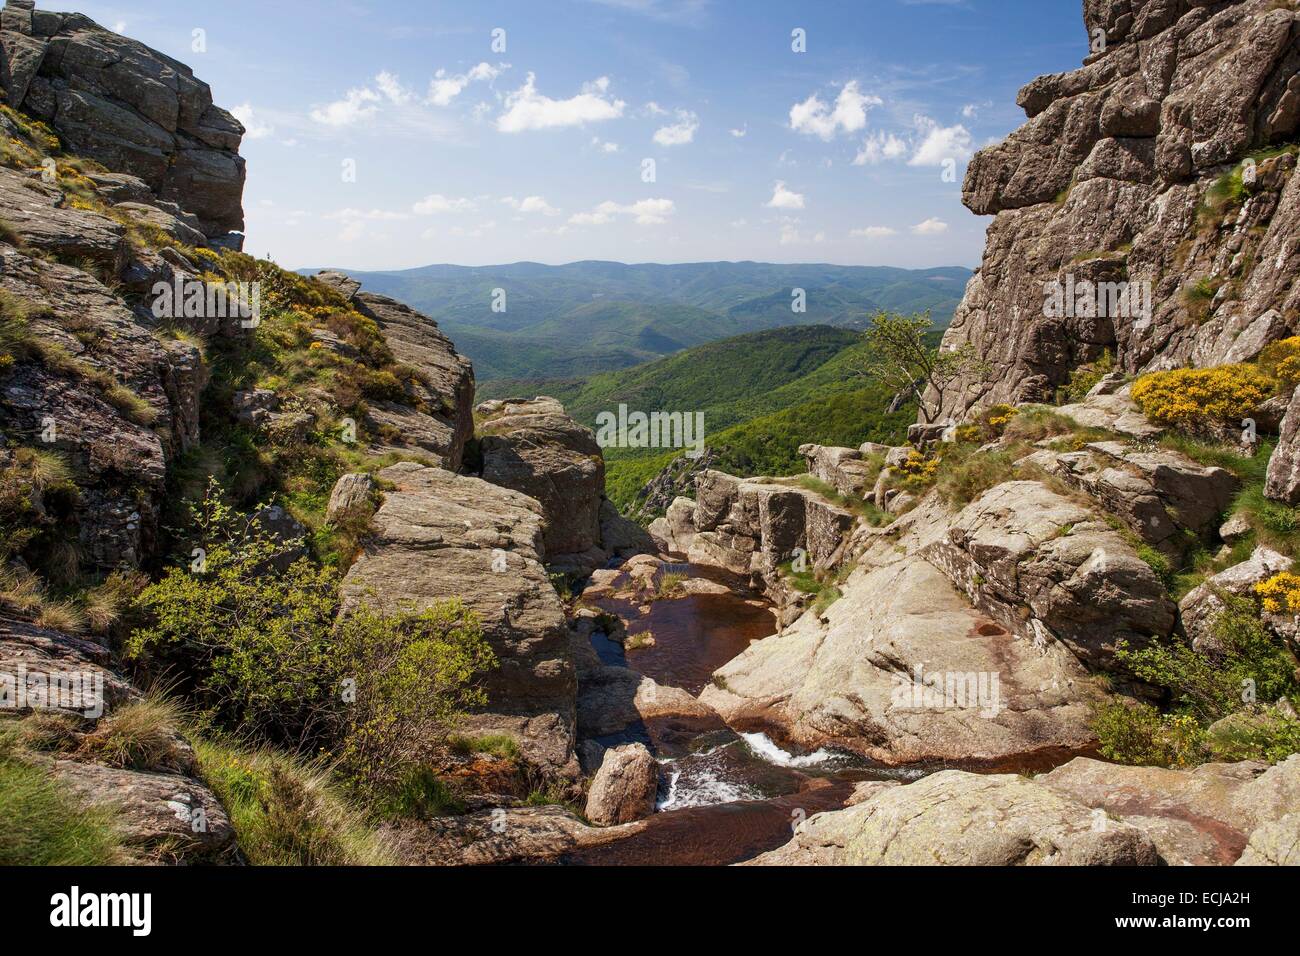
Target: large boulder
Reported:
point(848, 470)
point(533, 447)
point(955, 818)
point(439, 537)
point(675, 531)
point(903, 670)
point(137, 111)
point(624, 788)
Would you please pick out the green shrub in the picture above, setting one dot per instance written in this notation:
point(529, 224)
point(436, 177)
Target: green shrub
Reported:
point(1248, 664)
point(415, 677)
point(1084, 378)
point(255, 640)
point(1138, 734)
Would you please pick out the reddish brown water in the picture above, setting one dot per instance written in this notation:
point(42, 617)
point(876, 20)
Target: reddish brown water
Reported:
point(724, 797)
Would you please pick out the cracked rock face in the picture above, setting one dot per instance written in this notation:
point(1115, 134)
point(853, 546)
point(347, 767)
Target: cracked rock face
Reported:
point(444, 420)
point(133, 109)
point(533, 447)
point(1106, 183)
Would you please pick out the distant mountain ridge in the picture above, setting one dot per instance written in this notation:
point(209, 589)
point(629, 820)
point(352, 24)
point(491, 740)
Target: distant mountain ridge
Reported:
point(587, 317)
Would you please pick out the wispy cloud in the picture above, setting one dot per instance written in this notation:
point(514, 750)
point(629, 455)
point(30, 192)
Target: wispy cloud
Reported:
point(644, 212)
point(679, 133)
point(527, 109)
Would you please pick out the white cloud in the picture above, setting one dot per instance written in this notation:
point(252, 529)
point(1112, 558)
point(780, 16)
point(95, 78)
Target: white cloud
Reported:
point(740, 133)
point(604, 146)
point(940, 143)
point(784, 198)
point(356, 105)
point(392, 88)
point(644, 212)
point(436, 203)
point(879, 147)
point(253, 128)
point(931, 227)
point(815, 117)
point(531, 204)
point(873, 232)
point(526, 109)
point(445, 87)
point(679, 133)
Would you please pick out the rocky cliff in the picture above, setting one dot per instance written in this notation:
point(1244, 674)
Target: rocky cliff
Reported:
point(1156, 168)
point(132, 108)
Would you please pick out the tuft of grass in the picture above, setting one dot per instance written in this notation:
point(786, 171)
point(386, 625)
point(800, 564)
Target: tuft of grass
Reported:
point(286, 812)
point(419, 795)
point(963, 478)
point(670, 586)
point(42, 825)
point(141, 735)
point(501, 746)
point(866, 510)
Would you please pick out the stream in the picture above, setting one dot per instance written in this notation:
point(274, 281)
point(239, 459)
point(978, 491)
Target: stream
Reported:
point(723, 797)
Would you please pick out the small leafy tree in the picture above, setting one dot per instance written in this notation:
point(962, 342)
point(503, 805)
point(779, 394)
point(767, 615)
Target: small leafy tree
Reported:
point(414, 677)
point(902, 358)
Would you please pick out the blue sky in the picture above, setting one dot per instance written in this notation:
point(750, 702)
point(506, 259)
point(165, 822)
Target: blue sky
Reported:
point(471, 155)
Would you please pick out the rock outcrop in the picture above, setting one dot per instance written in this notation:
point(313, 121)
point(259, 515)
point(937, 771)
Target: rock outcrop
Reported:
point(118, 448)
point(440, 420)
point(1108, 183)
point(962, 819)
point(1204, 816)
point(440, 536)
point(532, 446)
point(751, 527)
point(132, 108)
point(903, 670)
point(1084, 813)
